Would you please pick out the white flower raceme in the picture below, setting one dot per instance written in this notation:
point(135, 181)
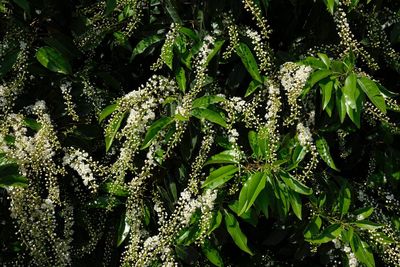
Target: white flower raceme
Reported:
point(79, 161)
point(304, 135)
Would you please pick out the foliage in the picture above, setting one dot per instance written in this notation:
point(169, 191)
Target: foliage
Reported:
point(189, 133)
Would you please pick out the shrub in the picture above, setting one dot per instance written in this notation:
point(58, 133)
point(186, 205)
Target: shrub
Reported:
point(180, 133)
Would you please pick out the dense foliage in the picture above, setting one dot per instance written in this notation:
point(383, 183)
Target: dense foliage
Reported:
point(199, 133)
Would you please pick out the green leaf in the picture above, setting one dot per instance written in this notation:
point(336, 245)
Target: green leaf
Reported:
point(113, 128)
point(181, 78)
point(115, 189)
point(314, 63)
point(24, 4)
point(253, 86)
point(8, 61)
point(217, 47)
point(205, 101)
point(215, 222)
point(313, 227)
point(171, 9)
point(330, 4)
point(294, 184)
point(328, 234)
point(253, 141)
point(233, 228)
point(367, 225)
point(350, 91)
point(210, 115)
point(144, 44)
point(189, 33)
point(248, 60)
point(123, 230)
point(318, 75)
point(154, 129)
point(263, 202)
point(372, 91)
point(110, 6)
point(9, 176)
point(168, 55)
point(363, 213)
point(250, 190)
point(340, 105)
point(53, 60)
point(295, 202)
point(383, 238)
point(227, 156)
point(107, 111)
point(323, 150)
point(220, 176)
point(32, 123)
point(325, 59)
point(326, 93)
point(344, 199)
point(362, 251)
point(212, 253)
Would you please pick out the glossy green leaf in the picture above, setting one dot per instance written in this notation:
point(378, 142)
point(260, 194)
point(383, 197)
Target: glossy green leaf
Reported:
point(328, 234)
point(212, 253)
point(144, 44)
point(189, 33)
point(315, 63)
point(53, 60)
point(253, 141)
point(330, 4)
point(180, 76)
point(325, 59)
point(363, 213)
point(154, 129)
point(205, 101)
point(340, 105)
point(313, 227)
point(115, 189)
point(362, 251)
point(217, 47)
point(24, 4)
point(10, 177)
point(372, 91)
point(233, 228)
point(107, 111)
point(250, 190)
point(323, 150)
point(326, 93)
point(367, 225)
point(253, 86)
point(350, 91)
point(7, 61)
point(210, 115)
point(294, 184)
point(215, 222)
point(263, 202)
point(248, 61)
point(318, 75)
point(123, 230)
point(344, 199)
point(32, 123)
point(227, 156)
point(113, 128)
point(110, 6)
point(220, 176)
point(295, 202)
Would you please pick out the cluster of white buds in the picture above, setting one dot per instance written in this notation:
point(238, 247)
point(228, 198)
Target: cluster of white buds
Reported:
point(80, 162)
point(293, 78)
point(70, 106)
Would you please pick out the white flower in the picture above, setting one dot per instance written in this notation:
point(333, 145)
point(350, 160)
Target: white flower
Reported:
point(304, 135)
